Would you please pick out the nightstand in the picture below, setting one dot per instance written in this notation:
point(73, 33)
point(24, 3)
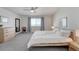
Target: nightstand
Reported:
point(73, 46)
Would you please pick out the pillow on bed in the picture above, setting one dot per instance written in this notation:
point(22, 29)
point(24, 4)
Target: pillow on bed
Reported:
point(65, 33)
point(54, 30)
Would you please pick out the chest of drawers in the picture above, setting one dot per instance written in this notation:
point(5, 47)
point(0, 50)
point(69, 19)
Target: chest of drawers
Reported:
point(6, 33)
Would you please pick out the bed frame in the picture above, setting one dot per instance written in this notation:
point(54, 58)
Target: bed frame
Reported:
point(72, 36)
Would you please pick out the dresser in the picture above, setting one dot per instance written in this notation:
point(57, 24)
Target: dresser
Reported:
point(6, 33)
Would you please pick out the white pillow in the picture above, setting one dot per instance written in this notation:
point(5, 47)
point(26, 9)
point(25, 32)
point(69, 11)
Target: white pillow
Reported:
point(65, 33)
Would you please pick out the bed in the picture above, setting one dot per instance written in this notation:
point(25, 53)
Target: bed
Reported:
point(48, 38)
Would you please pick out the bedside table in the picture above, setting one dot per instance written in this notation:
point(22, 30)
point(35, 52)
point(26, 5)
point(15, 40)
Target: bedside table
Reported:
point(73, 46)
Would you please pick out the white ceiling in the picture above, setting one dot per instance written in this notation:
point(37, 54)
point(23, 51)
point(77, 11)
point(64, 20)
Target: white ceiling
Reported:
point(39, 11)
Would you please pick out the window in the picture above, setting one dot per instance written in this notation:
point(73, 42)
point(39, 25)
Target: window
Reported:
point(64, 22)
point(35, 21)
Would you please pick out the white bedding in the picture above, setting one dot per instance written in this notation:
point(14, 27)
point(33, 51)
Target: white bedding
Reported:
point(47, 38)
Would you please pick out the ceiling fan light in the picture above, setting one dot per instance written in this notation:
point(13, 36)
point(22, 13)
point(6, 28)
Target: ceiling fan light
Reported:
point(32, 11)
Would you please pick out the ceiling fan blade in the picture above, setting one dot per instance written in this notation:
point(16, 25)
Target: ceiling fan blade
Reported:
point(30, 8)
point(26, 9)
point(34, 8)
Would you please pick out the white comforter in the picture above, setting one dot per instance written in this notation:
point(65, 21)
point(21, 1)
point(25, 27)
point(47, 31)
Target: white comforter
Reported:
point(45, 37)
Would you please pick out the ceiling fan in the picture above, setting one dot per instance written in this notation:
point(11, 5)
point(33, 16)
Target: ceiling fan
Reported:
point(30, 9)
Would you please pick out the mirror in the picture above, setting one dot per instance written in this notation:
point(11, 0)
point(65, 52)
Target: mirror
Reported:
point(17, 24)
point(4, 19)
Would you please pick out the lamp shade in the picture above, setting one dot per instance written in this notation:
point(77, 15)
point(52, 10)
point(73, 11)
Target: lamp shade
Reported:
point(52, 27)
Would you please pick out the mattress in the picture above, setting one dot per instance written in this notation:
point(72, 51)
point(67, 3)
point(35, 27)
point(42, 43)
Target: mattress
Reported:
point(47, 38)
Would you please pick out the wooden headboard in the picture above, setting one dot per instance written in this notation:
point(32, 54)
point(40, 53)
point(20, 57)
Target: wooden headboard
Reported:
point(72, 35)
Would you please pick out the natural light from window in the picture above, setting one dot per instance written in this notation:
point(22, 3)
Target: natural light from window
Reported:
point(35, 21)
point(64, 22)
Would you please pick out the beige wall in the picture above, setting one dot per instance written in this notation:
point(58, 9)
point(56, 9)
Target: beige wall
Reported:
point(24, 21)
point(72, 14)
point(48, 22)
